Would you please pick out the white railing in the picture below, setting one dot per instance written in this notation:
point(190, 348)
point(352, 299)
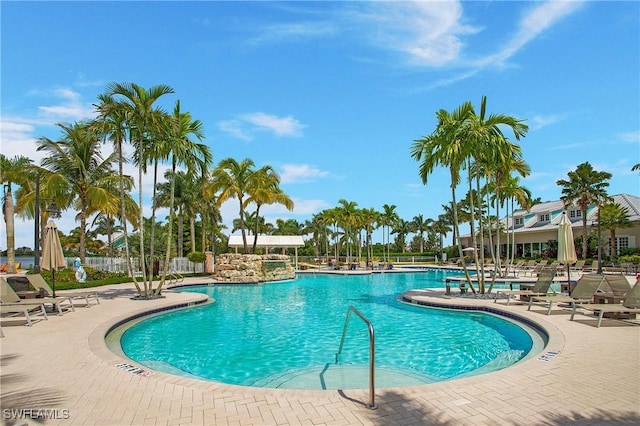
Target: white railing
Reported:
point(119, 264)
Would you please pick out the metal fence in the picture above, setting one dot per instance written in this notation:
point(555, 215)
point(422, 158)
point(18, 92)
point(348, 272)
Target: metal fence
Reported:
point(119, 265)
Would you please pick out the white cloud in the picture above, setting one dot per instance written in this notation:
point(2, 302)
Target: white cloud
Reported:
point(298, 173)
point(70, 109)
point(295, 31)
point(535, 22)
point(429, 33)
point(244, 126)
point(540, 121)
point(234, 128)
point(630, 137)
point(281, 126)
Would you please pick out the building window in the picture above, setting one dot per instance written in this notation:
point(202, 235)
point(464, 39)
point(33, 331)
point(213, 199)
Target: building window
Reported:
point(623, 242)
point(543, 217)
point(519, 221)
point(575, 214)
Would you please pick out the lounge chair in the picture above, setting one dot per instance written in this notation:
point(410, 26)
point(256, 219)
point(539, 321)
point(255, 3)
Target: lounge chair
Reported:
point(540, 288)
point(39, 283)
point(616, 284)
point(582, 293)
point(8, 297)
point(630, 305)
point(578, 266)
point(26, 309)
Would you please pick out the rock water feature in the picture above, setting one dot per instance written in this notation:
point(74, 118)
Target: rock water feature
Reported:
point(253, 268)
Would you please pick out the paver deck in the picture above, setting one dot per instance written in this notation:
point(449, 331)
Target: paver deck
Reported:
point(63, 368)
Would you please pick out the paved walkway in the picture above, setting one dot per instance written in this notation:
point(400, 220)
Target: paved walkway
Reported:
point(64, 367)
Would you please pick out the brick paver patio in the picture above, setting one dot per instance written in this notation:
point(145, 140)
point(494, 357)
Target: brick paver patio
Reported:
point(63, 368)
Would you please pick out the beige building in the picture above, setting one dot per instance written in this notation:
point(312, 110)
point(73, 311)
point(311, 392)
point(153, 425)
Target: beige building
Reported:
point(534, 228)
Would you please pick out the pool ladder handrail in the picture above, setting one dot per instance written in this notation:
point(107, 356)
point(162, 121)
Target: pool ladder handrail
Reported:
point(372, 343)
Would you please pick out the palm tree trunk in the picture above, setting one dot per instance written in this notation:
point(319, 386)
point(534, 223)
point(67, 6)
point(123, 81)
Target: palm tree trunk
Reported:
point(457, 232)
point(11, 231)
point(123, 220)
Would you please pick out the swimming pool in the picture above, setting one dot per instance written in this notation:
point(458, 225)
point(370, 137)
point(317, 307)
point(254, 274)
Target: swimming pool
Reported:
point(286, 335)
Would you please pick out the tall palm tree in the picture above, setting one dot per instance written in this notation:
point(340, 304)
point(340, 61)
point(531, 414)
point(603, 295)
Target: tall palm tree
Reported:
point(346, 212)
point(371, 218)
point(144, 122)
point(232, 179)
point(11, 172)
point(584, 187)
point(494, 156)
point(111, 123)
point(195, 156)
point(77, 165)
point(613, 216)
point(388, 218)
point(441, 226)
point(448, 147)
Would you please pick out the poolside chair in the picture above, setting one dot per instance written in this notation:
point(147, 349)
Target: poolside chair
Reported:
point(578, 266)
point(27, 309)
point(630, 305)
point(8, 297)
point(582, 293)
point(616, 284)
point(540, 288)
point(39, 283)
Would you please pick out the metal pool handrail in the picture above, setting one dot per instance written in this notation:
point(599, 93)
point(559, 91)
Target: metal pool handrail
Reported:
point(372, 342)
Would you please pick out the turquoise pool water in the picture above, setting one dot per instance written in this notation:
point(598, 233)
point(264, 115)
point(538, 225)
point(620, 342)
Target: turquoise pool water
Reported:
point(286, 335)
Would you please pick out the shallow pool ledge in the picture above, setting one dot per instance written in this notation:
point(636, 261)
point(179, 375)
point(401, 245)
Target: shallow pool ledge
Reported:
point(555, 340)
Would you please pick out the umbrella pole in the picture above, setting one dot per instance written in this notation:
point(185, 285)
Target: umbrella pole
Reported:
point(569, 277)
point(53, 282)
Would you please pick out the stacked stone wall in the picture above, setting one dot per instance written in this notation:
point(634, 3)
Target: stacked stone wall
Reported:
point(252, 268)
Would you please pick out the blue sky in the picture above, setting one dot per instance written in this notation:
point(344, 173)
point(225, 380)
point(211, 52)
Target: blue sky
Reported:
point(333, 94)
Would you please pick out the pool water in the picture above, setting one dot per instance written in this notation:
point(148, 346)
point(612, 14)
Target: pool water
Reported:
point(286, 335)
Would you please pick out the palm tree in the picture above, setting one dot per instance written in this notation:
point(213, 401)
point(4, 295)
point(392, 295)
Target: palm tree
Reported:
point(585, 187)
point(403, 228)
point(111, 123)
point(388, 219)
point(78, 166)
point(613, 216)
point(447, 147)
point(195, 156)
point(421, 226)
point(265, 189)
point(144, 122)
point(11, 172)
point(495, 156)
point(346, 215)
point(232, 179)
point(441, 226)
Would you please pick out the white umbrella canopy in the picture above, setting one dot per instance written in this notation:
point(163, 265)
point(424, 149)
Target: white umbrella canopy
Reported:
point(566, 246)
point(52, 256)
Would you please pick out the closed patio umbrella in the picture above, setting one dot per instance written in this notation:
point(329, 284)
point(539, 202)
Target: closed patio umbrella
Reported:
point(566, 247)
point(52, 256)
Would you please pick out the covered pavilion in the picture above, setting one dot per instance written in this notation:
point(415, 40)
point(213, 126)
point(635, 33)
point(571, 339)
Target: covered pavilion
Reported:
point(269, 241)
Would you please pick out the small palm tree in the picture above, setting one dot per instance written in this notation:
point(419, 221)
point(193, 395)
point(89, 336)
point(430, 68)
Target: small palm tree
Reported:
point(584, 187)
point(613, 216)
